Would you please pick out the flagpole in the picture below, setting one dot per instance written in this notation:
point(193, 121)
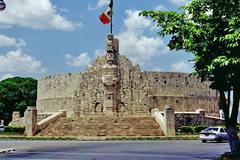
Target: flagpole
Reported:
point(111, 25)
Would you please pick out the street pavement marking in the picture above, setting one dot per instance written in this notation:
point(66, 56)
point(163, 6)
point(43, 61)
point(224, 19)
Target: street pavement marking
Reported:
point(110, 154)
point(28, 159)
point(104, 154)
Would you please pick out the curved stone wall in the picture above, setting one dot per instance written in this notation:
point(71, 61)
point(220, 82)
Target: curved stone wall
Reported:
point(83, 93)
point(56, 86)
point(177, 84)
point(58, 92)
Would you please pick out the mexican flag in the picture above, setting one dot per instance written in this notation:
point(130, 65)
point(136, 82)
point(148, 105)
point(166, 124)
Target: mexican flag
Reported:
point(105, 17)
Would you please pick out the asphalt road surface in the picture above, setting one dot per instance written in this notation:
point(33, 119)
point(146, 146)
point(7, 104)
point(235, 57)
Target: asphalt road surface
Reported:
point(112, 150)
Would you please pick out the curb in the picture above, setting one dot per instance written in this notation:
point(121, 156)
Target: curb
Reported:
point(7, 150)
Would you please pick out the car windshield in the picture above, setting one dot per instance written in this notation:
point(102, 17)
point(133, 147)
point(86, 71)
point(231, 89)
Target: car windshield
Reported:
point(211, 129)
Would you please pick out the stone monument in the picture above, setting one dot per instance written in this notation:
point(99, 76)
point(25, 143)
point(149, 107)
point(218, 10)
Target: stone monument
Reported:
point(114, 97)
point(113, 85)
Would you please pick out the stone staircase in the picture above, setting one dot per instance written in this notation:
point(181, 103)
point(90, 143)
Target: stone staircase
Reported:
point(103, 126)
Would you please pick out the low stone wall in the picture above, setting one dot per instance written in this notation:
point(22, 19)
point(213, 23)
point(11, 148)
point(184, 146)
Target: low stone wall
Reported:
point(54, 117)
point(196, 118)
point(166, 122)
point(187, 103)
point(34, 122)
point(20, 122)
point(42, 116)
point(159, 118)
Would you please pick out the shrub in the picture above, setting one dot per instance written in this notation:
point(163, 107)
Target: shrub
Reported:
point(199, 128)
point(186, 129)
point(15, 129)
point(192, 129)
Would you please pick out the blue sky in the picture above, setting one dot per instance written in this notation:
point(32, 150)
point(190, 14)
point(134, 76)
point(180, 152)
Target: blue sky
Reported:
point(44, 37)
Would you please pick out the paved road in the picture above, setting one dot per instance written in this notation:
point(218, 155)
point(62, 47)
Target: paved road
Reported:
point(112, 150)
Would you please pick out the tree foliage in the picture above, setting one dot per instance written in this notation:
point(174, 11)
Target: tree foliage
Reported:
point(210, 30)
point(15, 95)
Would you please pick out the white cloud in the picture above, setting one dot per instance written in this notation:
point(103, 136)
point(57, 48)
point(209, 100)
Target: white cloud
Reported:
point(99, 4)
point(136, 23)
point(79, 61)
point(157, 69)
point(179, 2)
point(63, 10)
point(160, 7)
point(99, 52)
point(6, 76)
point(41, 14)
point(17, 61)
point(133, 41)
point(6, 41)
point(182, 67)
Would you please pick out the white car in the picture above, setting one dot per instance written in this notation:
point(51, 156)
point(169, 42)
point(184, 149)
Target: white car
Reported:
point(1, 128)
point(218, 134)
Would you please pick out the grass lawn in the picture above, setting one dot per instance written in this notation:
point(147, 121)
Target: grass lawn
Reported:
point(10, 133)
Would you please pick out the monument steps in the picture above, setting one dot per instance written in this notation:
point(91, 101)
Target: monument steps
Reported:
point(103, 126)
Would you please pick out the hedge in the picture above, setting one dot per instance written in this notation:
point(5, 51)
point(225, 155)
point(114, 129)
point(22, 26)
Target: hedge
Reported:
point(199, 128)
point(192, 129)
point(186, 129)
point(15, 129)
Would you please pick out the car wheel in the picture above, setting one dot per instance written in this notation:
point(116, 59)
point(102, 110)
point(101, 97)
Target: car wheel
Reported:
point(204, 141)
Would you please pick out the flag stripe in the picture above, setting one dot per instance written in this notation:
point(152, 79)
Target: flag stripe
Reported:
point(111, 4)
point(105, 17)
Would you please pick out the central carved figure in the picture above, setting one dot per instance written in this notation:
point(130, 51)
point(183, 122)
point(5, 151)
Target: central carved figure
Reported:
point(110, 76)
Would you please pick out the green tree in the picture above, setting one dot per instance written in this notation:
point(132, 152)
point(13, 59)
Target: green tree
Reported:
point(210, 30)
point(15, 95)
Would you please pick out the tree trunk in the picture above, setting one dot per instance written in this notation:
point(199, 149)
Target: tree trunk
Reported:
point(233, 139)
point(231, 121)
point(231, 124)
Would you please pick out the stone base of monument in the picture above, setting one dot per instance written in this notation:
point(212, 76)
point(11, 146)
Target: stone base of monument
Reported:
point(103, 126)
